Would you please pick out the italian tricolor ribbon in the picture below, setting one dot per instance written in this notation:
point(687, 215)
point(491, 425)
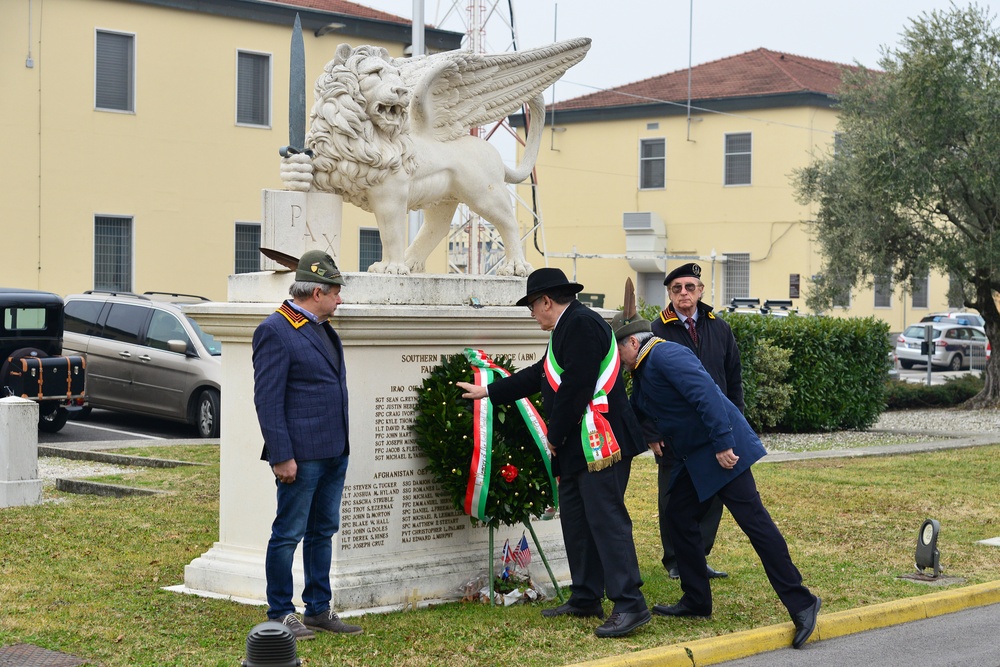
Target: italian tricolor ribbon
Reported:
point(485, 371)
point(600, 448)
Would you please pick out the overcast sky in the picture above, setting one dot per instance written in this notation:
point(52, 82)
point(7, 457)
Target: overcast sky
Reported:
point(636, 39)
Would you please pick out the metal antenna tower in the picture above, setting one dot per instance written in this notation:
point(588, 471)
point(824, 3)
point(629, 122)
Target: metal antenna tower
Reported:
point(474, 246)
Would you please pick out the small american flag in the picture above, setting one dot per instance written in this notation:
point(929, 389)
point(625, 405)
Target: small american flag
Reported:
point(506, 556)
point(522, 554)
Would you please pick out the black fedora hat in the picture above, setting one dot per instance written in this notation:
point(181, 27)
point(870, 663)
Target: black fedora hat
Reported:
point(547, 280)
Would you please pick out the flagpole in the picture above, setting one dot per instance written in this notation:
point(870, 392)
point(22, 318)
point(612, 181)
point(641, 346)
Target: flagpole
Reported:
point(538, 545)
point(490, 569)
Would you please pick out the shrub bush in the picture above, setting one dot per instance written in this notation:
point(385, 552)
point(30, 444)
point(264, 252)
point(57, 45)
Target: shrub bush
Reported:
point(765, 384)
point(954, 391)
point(838, 367)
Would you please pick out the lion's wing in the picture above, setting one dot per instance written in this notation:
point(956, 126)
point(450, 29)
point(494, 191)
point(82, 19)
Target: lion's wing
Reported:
point(458, 90)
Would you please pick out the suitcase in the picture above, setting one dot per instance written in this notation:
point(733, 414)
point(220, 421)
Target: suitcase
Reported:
point(47, 378)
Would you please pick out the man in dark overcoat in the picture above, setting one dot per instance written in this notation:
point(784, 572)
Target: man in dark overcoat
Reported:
point(300, 392)
point(690, 322)
point(714, 447)
point(580, 363)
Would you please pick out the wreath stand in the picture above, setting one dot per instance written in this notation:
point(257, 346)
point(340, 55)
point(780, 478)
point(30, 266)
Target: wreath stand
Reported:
point(541, 554)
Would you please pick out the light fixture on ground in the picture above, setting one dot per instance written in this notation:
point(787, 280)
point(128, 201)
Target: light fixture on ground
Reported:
point(271, 644)
point(927, 551)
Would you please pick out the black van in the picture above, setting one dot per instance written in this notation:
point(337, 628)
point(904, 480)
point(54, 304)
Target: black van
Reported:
point(31, 364)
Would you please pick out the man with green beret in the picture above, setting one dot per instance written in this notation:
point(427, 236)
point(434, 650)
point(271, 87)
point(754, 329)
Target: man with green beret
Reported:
point(300, 392)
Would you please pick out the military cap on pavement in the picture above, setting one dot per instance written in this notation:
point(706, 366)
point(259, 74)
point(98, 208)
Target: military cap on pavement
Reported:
point(683, 271)
point(315, 266)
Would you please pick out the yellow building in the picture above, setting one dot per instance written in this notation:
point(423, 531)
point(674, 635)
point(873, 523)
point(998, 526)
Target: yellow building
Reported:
point(138, 135)
point(639, 170)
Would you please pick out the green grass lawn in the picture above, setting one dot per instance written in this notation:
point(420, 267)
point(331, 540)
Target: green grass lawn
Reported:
point(84, 575)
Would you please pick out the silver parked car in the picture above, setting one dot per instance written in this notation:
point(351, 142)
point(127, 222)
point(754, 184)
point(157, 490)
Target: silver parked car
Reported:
point(956, 346)
point(145, 356)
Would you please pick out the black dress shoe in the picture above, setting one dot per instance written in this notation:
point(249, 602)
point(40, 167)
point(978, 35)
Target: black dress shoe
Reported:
point(621, 623)
point(597, 611)
point(805, 623)
point(679, 609)
point(716, 574)
point(673, 573)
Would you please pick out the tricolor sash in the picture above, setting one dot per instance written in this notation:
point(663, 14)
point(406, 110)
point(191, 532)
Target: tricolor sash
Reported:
point(600, 448)
point(478, 488)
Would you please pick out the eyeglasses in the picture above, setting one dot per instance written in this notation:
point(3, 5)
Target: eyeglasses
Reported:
point(531, 306)
point(690, 287)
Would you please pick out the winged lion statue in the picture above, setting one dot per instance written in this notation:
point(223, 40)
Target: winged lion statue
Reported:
point(391, 135)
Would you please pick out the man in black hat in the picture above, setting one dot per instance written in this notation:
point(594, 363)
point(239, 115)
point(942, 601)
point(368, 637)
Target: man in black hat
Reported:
point(300, 392)
point(592, 436)
point(691, 323)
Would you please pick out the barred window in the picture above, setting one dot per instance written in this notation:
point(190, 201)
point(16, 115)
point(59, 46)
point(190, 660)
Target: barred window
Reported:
point(737, 283)
point(369, 248)
point(247, 247)
point(842, 296)
point(883, 291)
point(738, 159)
point(114, 71)
point(113, 253)
point(919, 288)
point(253, 88)
point(652, 164)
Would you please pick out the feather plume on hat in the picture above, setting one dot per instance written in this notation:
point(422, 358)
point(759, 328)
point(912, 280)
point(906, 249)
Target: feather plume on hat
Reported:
point(627, 322)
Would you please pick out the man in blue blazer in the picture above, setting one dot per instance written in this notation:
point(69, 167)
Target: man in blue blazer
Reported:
point(592, 436)
point(300, 392)
point(713, 448)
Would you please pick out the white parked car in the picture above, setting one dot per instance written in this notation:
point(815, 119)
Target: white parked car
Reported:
point(956, 346)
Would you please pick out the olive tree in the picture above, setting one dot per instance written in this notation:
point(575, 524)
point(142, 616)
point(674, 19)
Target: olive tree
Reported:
point(913, 182)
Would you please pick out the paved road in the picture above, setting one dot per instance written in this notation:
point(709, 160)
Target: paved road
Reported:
point(105, 425)
point(965, 638)
point(919, 375)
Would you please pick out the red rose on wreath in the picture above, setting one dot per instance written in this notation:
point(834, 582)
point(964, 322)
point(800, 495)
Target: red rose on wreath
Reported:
point(509, 473)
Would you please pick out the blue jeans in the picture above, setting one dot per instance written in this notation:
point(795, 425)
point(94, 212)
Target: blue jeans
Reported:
point(308, 512)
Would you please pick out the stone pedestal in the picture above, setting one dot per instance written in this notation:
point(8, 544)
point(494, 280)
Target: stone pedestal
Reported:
point(19, 481)
point(295, 222)
point(400, 537)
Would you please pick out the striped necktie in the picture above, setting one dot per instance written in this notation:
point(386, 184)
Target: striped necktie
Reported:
point(692, 330)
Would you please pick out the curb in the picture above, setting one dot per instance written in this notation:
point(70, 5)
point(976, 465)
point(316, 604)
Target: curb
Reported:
point(715, 650)
point(82, 487)
point(113, 459)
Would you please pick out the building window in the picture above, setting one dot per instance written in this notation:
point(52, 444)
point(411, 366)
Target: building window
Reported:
point(842, 293)
point(956, 296)
point(253, 89)
point(737, 284)
point(113, 254)
point(369, 248)
point(652, 164)
point(919, 287)
point(883, 291)
point(114, 71)
point(738, 159)
point(247, 247)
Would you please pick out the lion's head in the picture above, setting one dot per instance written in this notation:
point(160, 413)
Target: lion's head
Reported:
point(359, 128)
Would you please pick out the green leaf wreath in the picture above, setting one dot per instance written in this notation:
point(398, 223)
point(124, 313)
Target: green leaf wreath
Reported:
point(519, 486)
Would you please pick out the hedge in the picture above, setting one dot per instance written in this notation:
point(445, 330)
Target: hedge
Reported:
point(838, 370)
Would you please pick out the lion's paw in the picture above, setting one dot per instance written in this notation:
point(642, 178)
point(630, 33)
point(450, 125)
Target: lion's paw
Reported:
point(394, 268)
point(516, 268)
point(416, 266)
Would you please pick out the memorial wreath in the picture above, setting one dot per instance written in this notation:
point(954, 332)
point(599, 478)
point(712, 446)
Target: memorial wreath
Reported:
point(491, 460)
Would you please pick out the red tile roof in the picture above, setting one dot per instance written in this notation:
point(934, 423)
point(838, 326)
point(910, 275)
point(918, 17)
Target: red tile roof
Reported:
point(344, 7)
point(751, 74)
